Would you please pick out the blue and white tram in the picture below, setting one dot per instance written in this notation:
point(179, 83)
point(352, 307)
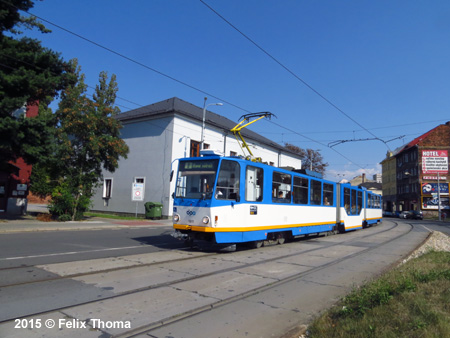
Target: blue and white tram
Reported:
point(229, 200)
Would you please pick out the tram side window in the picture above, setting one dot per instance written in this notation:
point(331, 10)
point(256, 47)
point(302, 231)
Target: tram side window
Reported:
point(353, 202)
point(316, 192)
point(300, 190)
point(228, 181)
point(328, 194)
point(359, 203)
point(281, 188)
point(347, 200)
point(254, 184)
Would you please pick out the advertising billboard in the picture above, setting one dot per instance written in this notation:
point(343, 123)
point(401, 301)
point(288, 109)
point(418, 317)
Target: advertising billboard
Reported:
point(433, 203)
point(432, 188)
point(435, 161)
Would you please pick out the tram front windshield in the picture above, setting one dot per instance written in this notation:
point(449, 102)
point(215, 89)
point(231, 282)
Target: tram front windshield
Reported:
point(196, 179)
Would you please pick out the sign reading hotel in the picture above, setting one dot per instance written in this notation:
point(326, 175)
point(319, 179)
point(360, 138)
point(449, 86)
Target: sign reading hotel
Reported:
point(435, 161)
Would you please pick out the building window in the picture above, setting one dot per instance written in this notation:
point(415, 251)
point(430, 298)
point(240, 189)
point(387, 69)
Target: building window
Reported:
point(195, 149)
point(139, 180)
point(107, 187)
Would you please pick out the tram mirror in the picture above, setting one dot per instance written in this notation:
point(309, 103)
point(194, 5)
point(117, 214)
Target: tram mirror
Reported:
point(171, 176)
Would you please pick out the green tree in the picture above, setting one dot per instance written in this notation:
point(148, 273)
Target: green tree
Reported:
point(310, 158)
point(29, 74)
point(87, 141)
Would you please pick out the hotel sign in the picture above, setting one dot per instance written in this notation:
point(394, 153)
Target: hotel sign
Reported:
point(435, 161)
point(434, 178)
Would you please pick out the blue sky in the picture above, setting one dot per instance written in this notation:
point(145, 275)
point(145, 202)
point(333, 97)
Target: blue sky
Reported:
point(384, 64)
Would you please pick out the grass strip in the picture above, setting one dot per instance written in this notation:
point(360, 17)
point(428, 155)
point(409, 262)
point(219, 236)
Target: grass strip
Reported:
point(412, 300)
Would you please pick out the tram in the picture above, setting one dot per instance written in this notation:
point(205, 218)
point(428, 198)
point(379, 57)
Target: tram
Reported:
point(231, 200)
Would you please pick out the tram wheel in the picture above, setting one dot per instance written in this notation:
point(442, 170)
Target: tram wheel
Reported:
point(257, 244)
point(281, 239)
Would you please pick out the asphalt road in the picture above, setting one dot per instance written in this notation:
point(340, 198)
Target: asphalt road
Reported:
point(32, 248)
point(425, 224)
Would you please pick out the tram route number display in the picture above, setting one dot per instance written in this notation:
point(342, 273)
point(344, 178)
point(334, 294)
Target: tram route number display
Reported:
point(435, 161)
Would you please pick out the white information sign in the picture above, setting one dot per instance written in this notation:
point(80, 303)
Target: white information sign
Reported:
point(137, 192)
point(434, 161)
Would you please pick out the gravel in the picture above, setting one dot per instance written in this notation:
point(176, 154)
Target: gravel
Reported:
point(437, 241)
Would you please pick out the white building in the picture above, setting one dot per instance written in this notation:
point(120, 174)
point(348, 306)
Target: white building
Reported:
point(159, 134)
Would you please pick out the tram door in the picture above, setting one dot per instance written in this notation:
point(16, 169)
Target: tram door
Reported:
point(253, 184)
point(353, 204)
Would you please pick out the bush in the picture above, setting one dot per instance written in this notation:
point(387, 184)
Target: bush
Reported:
point(64, 202)
point(65, 218)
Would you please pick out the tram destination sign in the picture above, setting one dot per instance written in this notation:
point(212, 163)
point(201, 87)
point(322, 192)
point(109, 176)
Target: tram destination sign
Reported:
point(435, 161)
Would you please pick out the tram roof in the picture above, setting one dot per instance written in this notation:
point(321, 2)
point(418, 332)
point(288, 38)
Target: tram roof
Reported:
point(175, 106)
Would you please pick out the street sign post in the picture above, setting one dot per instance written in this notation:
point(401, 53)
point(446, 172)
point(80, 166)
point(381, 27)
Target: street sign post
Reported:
point(137, 193)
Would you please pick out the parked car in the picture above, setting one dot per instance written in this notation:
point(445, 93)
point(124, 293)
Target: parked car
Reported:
point(404, 214)
point(411, 214)
point(416, 214)
point(388, 214)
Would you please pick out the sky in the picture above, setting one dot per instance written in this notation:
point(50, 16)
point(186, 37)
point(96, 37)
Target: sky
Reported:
point(330, 71)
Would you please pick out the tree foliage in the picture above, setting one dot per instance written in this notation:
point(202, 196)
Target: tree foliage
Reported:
point(310, 158)
point(87, 141)
point(29, 73)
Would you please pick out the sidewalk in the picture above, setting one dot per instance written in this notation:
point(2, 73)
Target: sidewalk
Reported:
point(30, 223)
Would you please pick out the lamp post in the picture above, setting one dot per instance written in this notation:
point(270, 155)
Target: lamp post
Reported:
point(439, 197)
point(204, 115)
point(185, 143)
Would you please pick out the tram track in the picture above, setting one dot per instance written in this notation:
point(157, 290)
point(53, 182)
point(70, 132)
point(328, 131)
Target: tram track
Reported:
point(171, 284)
point(128, 267)
point(179, 317)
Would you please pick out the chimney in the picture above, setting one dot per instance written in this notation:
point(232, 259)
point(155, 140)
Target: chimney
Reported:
point(363, 178)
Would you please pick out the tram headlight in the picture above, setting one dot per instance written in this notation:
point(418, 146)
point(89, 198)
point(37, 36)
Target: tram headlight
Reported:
point(176, 217)
point(205, 220)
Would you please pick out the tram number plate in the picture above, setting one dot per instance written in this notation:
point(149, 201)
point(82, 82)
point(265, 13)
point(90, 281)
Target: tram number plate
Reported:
point(253, 210)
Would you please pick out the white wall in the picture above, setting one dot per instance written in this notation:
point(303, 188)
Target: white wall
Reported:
point(150, 144)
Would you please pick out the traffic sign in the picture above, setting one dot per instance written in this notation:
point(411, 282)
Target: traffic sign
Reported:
point(137, 192)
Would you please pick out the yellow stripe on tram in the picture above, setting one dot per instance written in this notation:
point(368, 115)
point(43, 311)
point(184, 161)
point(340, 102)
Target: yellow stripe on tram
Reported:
point(240, 229)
